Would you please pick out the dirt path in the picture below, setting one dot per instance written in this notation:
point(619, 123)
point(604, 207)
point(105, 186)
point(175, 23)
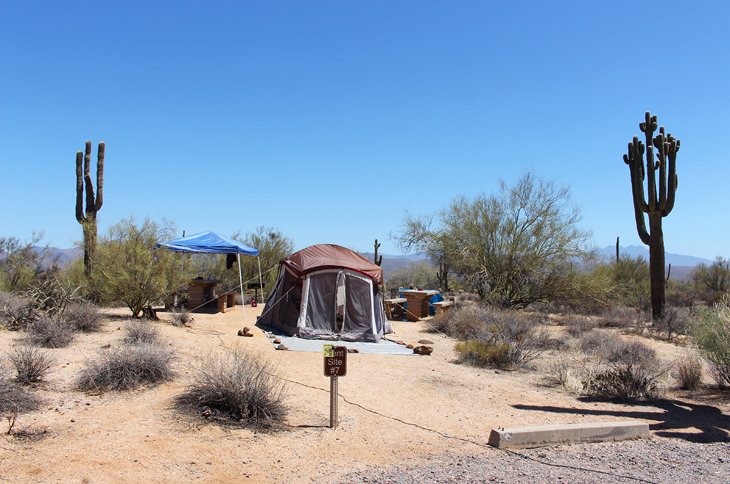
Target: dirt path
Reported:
point(119, 437)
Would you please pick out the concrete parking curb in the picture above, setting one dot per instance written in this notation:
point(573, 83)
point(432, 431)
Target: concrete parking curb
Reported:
point(520, 437)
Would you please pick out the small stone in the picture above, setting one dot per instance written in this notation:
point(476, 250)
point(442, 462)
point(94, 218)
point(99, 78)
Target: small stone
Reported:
point(425, 342)
point(246, 329)
point(282, 347)
point(241, 332)
point(353, 350)
point(410, 346)
point(248, 335)
point(400, 342)
point(423, 350)
point(277, 341)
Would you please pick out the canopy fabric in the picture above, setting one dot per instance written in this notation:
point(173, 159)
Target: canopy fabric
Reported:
point(208, 243)
point(323, 256)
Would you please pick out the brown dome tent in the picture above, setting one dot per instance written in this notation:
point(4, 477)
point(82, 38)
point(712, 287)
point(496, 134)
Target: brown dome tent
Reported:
point(327, 292)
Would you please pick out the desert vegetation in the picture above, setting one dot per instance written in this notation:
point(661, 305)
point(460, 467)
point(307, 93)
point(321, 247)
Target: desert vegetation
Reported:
point(236, 386)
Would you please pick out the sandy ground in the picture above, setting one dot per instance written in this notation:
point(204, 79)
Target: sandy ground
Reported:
point(138, 436)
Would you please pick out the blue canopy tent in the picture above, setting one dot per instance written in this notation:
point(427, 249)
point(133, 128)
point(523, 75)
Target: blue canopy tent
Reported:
point(212, 243)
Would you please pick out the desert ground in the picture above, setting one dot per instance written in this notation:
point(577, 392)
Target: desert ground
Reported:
point(410, 418)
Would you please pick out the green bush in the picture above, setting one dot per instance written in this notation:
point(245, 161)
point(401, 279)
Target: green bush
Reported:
point(712, 333)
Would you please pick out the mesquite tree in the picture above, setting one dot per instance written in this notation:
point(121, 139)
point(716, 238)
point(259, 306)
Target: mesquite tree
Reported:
point(87, 217)
point(656, 205)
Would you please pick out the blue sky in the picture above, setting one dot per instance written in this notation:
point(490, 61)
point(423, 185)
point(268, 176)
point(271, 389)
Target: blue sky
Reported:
point(332, 120)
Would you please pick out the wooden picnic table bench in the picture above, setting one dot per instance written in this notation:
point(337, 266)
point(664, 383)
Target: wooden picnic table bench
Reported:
point(394, 308)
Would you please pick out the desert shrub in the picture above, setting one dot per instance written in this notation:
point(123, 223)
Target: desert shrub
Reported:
point(620, 317)
point(130, 269)
point(593, 342)
point(141, 332)
point(32, 364)
point(577, 325)
point(713, 281)
point(689, 372)
point(632, 371)
point(674, 322)
point(181, 316)
point(16, 312)
point(462, 322)
point(83, 316)
point(505, 339)
point(127, 367)
point(483, 354)
point(712, 333)
point(50, 332)
point(49, 295)
point(570, 371)
point(15, 398)
point(238, 386)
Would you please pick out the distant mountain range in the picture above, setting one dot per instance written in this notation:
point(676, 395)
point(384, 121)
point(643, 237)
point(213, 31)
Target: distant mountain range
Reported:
point(643, 251)
point(682, 265)
point(61, 256)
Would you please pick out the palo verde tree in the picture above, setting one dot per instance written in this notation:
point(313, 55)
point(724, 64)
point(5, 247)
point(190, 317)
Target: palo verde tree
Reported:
point(659, 200)
point(87, 217)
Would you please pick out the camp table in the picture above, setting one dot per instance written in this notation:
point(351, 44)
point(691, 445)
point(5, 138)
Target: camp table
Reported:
point(417, 303)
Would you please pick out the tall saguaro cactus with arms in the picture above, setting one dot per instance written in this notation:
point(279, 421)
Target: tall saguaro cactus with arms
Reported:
point(87, 217)
point(655, 205)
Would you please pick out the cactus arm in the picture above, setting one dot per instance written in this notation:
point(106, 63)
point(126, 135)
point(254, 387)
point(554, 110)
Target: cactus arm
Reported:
point(87, 181)
point(99, 177)
point(660, 144)
point(648, 127)
point(633, 159)
point(79, 189)
point(673, 181)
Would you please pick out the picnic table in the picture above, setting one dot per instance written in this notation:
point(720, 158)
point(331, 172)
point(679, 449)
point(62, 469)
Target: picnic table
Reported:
point(202, 296)
point(417, 302)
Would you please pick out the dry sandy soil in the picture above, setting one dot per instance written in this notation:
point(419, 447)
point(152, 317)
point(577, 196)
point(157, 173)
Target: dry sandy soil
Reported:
point(139, 436)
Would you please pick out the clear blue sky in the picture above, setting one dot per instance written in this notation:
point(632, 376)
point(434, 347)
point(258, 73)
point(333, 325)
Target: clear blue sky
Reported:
point(331, 120)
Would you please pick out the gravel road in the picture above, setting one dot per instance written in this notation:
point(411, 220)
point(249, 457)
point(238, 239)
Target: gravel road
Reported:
point(656, 460)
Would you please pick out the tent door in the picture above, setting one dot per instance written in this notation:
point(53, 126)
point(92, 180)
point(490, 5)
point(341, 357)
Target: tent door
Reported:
point(340, 303)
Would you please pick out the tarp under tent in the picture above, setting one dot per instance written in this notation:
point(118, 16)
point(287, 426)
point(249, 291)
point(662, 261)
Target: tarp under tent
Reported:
point(212, 243)
point(327, 291)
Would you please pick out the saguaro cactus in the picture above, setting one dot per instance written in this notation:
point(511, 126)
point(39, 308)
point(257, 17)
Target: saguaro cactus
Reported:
point(377, 259)
point(87, 217)
point(656, 206)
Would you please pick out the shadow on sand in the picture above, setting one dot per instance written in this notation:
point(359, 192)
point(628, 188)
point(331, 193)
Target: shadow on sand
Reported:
point(672, 416)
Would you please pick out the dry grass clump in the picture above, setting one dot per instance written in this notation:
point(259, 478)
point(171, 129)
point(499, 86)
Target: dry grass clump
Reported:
point(689, 372)
point(631, 371)
point(141, 332)
point(462, 322)
point(127, 367)
point(236, 386)
point(50, 332)
point(32, 364)
point(83, 316)
point(578, 325)
point(621, 317)
point(594, 342)
point(13, 397)
point(181, 316)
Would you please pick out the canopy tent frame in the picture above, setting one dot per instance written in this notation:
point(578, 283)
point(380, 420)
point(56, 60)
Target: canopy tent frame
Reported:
point(212, 243)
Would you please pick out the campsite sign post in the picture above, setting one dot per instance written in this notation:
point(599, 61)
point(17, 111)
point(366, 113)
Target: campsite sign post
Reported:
point(335, 364)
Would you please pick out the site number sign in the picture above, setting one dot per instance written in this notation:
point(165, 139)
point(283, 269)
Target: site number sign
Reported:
point(335, 360)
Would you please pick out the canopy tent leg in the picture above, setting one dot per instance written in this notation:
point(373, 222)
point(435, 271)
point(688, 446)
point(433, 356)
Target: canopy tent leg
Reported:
point(240, 279)
point(261, 281)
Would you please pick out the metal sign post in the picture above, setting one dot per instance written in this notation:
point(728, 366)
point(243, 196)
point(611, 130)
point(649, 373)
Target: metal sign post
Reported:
point(335, 365)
